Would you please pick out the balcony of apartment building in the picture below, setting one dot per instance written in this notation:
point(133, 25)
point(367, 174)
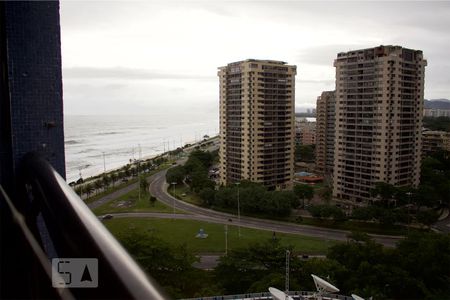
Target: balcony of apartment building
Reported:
point(41, 216)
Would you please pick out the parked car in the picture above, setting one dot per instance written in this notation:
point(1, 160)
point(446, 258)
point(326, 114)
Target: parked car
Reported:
point(107, 217)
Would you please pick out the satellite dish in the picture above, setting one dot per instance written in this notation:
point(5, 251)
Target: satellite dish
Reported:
point(323, 286)
point(279, 295)
point(356, 297)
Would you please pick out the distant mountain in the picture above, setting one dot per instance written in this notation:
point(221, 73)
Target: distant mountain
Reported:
point(437, 103)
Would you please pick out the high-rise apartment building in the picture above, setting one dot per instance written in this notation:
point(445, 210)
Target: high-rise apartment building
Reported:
point(305, 132)
point(435, 141)
point(257, 132)
point(379, 108)
point(325, 126)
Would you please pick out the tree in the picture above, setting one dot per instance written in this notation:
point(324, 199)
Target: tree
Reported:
point(170, 266)
point(426, 257)
point(326, 211)
point(385, 191)
point(152, 200)
point(98, 185)
point(79, 191)
point(176, 174)
point(144, 184)
point(89, 188)
point(364, 213)
point(304, 191)
point(427, 217)
point(106, 180)
point(200, 180)
point(439, 123)
point(304, 153)
point(207, 196)
point(114, 176)
point(244, 269)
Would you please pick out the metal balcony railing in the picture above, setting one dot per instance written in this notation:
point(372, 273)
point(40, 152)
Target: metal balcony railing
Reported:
point(45, 219)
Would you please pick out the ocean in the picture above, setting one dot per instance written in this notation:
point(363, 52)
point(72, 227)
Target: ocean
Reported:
point(94, 141)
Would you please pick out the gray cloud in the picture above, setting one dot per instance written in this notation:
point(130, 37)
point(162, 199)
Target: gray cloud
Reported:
point(126, 73)
point(325, 55)
point(312, 81)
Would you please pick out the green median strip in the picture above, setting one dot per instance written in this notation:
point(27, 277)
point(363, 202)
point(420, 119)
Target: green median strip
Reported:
point(130, 202)
point(177, 232)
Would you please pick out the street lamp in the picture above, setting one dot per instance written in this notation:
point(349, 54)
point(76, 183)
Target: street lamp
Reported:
point(226, 239)
point(409, 206)
point(139, 172)
point(239, 210)
point(104, 163)
point(173, 184)
point(286, 286)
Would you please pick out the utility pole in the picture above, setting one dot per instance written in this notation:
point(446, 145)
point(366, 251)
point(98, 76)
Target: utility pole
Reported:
point(139, 172)
point(174, 184)
point(288, 255)
point(226, 239)
point(104, 163)
point(81, 185)
point(239, 210)
point(409, 207)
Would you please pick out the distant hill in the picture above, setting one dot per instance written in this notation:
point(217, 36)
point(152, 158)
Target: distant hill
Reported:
point(437, 103)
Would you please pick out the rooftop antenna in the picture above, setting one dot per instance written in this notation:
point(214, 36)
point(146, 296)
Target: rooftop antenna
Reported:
point(323, 287)
point(279, 295)
point(356, 297)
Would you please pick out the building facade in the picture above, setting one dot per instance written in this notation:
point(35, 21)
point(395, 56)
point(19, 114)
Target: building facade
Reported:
point(305, 132)
point(434, 141)
point(257, 127)
point(31, 103)
point(436, 112)
point(379, 108)
point(325, 126)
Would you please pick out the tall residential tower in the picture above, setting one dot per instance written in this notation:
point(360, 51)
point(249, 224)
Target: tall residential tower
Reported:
point(379, 108)
point(325, 126)
point(257, 127)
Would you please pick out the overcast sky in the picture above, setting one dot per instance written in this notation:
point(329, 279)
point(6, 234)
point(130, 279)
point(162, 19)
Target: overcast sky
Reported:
point(144, 57)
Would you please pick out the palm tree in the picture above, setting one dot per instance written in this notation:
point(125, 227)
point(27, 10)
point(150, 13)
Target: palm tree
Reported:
point(122, 175)
point(78, 190)
point(144, 184)
point(106, 181)
point(114, 178)
point(89, 189)
point(98, 185)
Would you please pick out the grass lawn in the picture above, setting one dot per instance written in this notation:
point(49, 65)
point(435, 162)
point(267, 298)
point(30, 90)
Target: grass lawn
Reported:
point(178, 232)
point(130, 203)
point(110, 190)
point(124, 184)
point(351, 225)
point(189, 197)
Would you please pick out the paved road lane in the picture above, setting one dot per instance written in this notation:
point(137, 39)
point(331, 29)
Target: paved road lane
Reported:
point(159, 189)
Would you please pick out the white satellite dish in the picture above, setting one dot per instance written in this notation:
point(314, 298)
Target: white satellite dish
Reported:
point(356, 297)
point(279, 295)
point(323, 286)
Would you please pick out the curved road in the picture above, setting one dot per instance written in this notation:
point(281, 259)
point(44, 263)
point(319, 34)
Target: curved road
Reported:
point(158, 188)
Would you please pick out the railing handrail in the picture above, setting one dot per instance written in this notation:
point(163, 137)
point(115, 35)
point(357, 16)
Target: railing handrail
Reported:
point(267, 295)
point(73, 231)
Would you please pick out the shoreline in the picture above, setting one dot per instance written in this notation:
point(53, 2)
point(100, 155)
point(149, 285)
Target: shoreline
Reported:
point(148, 158)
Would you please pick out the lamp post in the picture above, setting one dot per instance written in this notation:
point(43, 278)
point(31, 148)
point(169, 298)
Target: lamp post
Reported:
point(139, 172)
point(104, 163)
point(286, 287)
point(81, 184)
point(239, 210)
point(173, 184)
point(226, 239)
point(409, 206)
